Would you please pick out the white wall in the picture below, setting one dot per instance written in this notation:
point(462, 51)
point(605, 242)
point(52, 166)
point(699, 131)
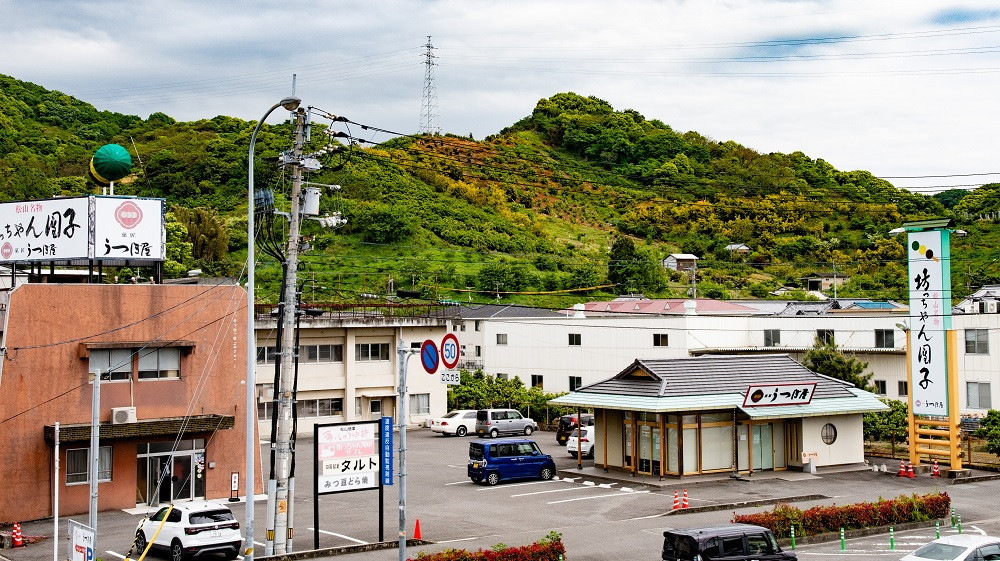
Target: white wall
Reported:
point(848, 448)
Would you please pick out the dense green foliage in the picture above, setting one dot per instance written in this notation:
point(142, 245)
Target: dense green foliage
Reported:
point(574, 196)
point(479, 391)
point(826, 359)
point(989, 429)
point(888, 425)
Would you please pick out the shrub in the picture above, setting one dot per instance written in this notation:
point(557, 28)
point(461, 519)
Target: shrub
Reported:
point(549, 548)
point(820, 519)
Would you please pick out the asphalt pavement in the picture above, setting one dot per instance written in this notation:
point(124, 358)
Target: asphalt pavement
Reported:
point(598, 514)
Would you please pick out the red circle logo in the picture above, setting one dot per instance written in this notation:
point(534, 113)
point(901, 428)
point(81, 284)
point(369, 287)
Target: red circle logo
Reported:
point(6, 250)
point(128, 214)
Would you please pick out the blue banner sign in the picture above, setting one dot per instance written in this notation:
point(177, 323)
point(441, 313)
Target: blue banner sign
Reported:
point(386, 439)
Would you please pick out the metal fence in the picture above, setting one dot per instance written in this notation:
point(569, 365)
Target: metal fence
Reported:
point(974, 454)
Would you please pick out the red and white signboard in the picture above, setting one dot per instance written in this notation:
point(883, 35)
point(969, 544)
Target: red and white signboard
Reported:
point(450, 351)
point(762, 395)
point(129, 228)
point(349, 457)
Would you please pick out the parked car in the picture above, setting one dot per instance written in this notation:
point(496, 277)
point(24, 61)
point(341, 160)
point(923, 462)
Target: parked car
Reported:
point(586, 444)
point(732, 542)
point(493, 422)
point(959, 547)
point(567, 423)
point(507, 459)
point(458, 423)
point(191, 530)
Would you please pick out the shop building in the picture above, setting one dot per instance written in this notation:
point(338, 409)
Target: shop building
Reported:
point(689, 416)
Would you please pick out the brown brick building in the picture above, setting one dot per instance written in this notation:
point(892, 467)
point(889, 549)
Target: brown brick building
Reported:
point(172, 412)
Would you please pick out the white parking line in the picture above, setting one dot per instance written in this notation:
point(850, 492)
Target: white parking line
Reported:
point(509, 485)
point(597, 497)
point(458, 540)
point(113, 554)
point(552, 491)
point(467, 481)
point(340, 536)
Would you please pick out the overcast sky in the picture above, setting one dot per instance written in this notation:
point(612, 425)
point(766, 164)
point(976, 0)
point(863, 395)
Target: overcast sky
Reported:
point(900, 88)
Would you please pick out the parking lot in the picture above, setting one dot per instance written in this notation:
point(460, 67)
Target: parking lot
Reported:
point(598, 519)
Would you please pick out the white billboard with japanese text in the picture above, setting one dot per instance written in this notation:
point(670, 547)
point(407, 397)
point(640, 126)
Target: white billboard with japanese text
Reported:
point(930, 308)
point(348, 457)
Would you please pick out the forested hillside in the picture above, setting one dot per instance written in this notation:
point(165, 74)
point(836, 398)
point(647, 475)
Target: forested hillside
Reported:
point(575, 201)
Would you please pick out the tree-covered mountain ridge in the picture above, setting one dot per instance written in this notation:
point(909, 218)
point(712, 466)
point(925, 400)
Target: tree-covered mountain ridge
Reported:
point(575, 201)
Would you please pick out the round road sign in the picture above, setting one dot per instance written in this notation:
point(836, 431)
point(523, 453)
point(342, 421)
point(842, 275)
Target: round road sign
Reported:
point(429, 357)
point(449, 351)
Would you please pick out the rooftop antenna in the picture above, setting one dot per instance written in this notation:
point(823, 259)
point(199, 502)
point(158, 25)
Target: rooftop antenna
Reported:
point(429, 107)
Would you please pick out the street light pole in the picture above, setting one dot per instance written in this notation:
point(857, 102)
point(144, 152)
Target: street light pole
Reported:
point(290, 103)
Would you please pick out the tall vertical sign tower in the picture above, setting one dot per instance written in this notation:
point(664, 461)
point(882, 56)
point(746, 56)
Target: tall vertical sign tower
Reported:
point(931, 348)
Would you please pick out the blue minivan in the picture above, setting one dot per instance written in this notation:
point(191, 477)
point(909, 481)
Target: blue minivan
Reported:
point(505, 459)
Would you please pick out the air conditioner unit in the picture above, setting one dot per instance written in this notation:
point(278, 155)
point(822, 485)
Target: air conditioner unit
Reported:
point(122, 415)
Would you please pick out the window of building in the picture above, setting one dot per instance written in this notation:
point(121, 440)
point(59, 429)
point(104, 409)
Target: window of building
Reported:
point(885, 339)
point(479, 351)
point(159, 363)
point(114, 364)
point(828, 433)
point(78, 465)
point(660, 339)
point(415, 345)
point(502, 376)
point(825, 336)
point(879, 387)
point(977, 342)
point(461, 350)
point(575, 382)
point(574, 339)
point(366, 352)
point(324, 407)
point(902, 388)
point(375, 407)
point(536, 380)
point(772, 337)
point(978, 395)
point(501, 338)
point(463, 326)
point(420, 404)
point(267, 355)
point(479, 325)
point(357, 407)
point(322, 353)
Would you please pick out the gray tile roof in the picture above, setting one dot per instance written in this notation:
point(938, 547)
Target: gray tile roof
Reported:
point(487, 311)
point(713, 374)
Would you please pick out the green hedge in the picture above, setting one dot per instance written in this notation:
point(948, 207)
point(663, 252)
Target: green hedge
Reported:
point(820, 519)
point(549, 548)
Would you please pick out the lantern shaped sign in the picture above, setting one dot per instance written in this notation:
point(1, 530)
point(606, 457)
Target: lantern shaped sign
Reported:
point(110, 163)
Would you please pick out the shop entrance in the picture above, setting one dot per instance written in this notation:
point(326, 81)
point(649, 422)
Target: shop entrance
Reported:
point(763, 446)
point(164, 475)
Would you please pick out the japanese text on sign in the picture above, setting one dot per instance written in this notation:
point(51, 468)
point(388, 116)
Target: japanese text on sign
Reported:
point(759, 395)
point(930, 298)
point(386, 444)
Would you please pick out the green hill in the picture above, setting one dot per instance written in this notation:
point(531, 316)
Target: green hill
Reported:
point(575, 201)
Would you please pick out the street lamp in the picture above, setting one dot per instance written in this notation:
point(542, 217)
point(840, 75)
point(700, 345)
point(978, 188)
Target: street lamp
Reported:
point(290, 103)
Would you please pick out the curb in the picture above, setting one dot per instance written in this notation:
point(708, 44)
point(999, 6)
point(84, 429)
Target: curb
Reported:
point(345, 550)
point(744, 504)
point(857, 533)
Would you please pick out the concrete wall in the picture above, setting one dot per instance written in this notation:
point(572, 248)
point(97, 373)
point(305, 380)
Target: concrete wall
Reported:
point(848, 448)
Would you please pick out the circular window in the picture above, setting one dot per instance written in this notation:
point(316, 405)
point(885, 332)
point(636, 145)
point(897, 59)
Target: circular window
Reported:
point(828, 433)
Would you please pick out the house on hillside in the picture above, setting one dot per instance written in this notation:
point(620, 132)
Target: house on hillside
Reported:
point(682, 262)
point(824, 281)
point(740, 248)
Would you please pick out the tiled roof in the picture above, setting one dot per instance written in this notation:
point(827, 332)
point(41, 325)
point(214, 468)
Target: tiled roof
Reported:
point(673, 306)
point(487, 311)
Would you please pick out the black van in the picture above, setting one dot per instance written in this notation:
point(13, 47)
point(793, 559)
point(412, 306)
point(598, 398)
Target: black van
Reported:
point(731, 542)
point(567, 424)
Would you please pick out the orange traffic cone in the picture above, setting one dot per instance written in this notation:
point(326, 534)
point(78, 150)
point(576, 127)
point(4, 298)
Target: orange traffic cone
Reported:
point(416, 531)
point(909, 471)
point(902, 469)
point(677, 500)
point(685, 503)
point(15, 535)
point(936, 472)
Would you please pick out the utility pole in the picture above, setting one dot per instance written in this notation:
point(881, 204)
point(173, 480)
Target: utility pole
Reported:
point(404, 353)
point(281, 489)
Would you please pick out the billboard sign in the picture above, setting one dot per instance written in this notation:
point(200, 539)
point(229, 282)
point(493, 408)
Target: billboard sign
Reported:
point(930, 317)
point(348, 457)
point(78, 228)
point(762, 395)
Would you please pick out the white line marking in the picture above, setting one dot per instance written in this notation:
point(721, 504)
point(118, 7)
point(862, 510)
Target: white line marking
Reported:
point(515, 485)
point(597, 497)
point(340, 536)
point(469, 481)
point(112, 553)
point(454, 466)
point(550, 491)
point(262, 544)
point(458, 540)
point(606, 485)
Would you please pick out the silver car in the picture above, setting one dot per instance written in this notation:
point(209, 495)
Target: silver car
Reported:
point(493, 422)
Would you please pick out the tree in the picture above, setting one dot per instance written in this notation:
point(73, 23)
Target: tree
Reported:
point(887, 425)
point(989, 429)
point(826, 359)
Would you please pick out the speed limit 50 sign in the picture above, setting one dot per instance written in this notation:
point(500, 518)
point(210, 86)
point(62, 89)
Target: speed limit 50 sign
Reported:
point(449, 351)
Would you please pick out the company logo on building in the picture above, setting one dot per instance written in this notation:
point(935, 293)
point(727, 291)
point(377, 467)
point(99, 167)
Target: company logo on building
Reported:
point(924, 250)
point(128, 214)
point(6, 250)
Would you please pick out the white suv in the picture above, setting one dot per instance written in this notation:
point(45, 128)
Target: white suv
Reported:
point(192, 529)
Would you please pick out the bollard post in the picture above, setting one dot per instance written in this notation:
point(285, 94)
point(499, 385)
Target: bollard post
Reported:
point(937, 530)
point(841, 538)
point(959, 523)
point(793, 537)
point(952, 517)
point(892, 540)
